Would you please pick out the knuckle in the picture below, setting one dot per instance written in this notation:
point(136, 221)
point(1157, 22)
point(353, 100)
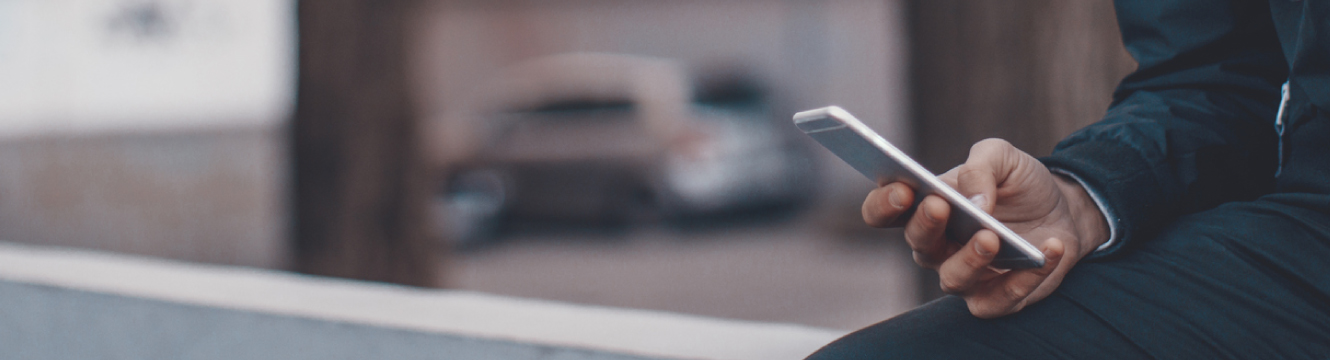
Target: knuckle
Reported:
point(930, 214)
point(870, 215)
point(1015, 293)
point(912, 237)
point(950, 284)
point(974, 261)
point(924, 260)
point(924, 223)
point(981, 309)
point(968, 176)
point(871, 208)
point(990, 144)
point(966, 172)
point(880, 215)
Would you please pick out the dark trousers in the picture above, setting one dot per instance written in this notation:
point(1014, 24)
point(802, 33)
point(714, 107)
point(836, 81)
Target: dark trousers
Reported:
point(1246, 280)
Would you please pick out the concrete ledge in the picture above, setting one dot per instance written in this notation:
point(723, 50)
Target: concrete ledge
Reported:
point(62, 304)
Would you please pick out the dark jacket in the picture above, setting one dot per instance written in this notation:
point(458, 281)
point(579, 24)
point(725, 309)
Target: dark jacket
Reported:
point(1195, 125)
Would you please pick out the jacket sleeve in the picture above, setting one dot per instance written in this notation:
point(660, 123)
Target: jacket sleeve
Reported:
point(1192, 127)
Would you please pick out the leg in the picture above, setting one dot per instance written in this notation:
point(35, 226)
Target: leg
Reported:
point(1245, 280)
point(1054, 328)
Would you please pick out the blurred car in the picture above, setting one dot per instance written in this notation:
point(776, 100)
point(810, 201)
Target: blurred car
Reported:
point(611, 139)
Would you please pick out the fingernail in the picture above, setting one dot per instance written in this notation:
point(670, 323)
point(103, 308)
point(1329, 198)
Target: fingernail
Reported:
point(896, 199)
point(980, 249)
point(980, 200)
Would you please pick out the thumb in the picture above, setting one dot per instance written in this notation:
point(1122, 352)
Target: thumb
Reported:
point(991, 161)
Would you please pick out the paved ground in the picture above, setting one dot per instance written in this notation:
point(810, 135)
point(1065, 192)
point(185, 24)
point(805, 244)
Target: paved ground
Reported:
point(775, 270)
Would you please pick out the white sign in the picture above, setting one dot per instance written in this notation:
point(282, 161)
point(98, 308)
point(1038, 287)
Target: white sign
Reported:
point(79, 66)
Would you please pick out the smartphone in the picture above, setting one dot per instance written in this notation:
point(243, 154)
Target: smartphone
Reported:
point(883, 163)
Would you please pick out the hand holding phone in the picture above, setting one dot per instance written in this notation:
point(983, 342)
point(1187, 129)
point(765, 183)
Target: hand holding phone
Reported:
point(883, 163)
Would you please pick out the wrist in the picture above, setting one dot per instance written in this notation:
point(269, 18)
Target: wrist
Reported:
point(1090, 225)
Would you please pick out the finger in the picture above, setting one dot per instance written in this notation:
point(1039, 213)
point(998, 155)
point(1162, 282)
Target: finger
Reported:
point(988, 165)
point(926, 231)
point(970, 266)
point(949, 177)
point(884, 206)
point(1012, 291)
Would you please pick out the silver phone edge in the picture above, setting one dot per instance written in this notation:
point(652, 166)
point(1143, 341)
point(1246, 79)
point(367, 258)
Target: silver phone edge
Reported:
point(935, 185)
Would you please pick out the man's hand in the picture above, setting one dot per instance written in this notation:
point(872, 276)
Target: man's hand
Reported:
point(1052, 212)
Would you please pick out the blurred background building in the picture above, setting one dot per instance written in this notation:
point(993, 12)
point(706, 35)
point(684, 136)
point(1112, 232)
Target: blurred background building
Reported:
point(624, 153)
point(149, 127)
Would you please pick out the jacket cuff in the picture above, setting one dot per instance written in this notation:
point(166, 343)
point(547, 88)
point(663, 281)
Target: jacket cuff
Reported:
point(1100, 204)
point(1121, 182)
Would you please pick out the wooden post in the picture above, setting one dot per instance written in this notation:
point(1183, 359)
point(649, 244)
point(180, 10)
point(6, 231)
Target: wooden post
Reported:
point(360, 190)
point(1028, 71)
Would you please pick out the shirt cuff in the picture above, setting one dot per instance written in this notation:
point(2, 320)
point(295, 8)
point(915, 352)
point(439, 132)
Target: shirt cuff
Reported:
point(1099, 202)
